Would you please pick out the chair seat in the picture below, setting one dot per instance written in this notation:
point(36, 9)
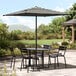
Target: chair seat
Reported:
point(26, 57)
point(60, 54)
point(30, 57)
point(35, 58)
point(53, 55)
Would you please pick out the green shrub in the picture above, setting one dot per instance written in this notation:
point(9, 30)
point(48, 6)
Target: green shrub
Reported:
point(55, 45)
point(65, 43)
point(4, 44)
point(73, 46)
point(20, 45)
point(13, 44)
point(8, 52)
point(17, 51)
point(2, 52)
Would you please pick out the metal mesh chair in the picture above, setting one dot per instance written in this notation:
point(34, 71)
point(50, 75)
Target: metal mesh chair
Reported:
point(61, 53)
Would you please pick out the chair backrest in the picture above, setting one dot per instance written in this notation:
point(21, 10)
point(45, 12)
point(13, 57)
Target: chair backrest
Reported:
point(23, 52)
point(12, 51)
point(62, 50)
point(47, 47)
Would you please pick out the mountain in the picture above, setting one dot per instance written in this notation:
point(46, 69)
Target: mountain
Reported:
point(19, 27)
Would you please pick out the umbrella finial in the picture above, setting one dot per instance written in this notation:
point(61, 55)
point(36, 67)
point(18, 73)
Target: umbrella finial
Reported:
point(36, 6)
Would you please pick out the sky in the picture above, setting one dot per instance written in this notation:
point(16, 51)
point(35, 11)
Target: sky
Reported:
point(8, 6)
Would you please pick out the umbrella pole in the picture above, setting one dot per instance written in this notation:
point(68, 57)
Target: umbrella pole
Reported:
point(36, 32)
point(36, 38)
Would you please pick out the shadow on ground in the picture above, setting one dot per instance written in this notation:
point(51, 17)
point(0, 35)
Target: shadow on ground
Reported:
point(61, 66)
point(51, 66)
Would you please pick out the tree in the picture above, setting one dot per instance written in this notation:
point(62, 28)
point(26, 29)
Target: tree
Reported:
point(56, 26)
point(4, 34)
point(29, 35)
point(43, 29)
point(72, 12)
point(14, 35)
point(3, 31)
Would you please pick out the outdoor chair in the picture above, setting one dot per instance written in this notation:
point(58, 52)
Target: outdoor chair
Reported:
point(13, 57)
point(47, 47)
point(25, 60)
point(47, 52)
point(25, 57)
point(61, 53)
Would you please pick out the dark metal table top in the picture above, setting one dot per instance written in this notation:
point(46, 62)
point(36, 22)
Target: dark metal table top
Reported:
point(44, 49)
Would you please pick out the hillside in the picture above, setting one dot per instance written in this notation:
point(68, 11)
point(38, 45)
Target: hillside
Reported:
point(19, 27)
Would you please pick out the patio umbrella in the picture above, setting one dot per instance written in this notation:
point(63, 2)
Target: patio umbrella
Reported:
point(36, 11)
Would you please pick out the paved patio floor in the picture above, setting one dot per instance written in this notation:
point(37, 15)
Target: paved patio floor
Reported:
point(61, 71)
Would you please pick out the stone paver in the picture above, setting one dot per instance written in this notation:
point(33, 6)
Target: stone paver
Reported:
point(61, 71)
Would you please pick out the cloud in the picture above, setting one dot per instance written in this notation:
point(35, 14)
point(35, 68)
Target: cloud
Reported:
point(5, 19)
point(27, 21)
point(59, 9)
point(44, 20)
point(8, 20)
point(70, 5)
point(18, 20)
point(30, 21)
point(63, 9)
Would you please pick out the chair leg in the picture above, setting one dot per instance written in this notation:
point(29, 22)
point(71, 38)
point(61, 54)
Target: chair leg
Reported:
point(25, 62)
point(49, 61)
point(38, 63)
point(14, 63)
point(11, 62)
point(21, 64)
point(55, 62)
point(33, 64)
point(65, 61)
point(28, 68)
